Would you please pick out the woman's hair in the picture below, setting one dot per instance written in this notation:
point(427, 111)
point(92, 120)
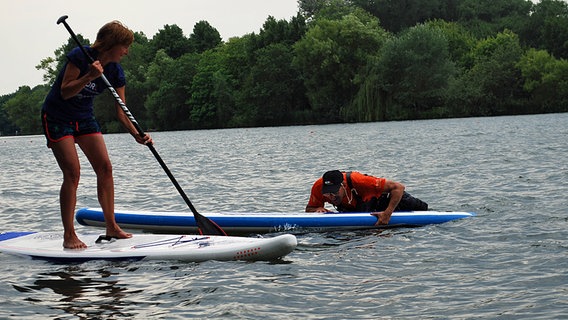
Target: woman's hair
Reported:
point(112, 34)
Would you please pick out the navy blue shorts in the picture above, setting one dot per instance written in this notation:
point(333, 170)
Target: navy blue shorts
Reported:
point(56, 130)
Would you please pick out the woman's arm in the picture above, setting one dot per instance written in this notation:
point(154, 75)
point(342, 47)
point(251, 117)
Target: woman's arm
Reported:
point(123, 118)
point(72, 84)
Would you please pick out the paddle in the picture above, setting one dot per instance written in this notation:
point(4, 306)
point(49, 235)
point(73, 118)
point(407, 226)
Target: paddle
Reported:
point(205, 225)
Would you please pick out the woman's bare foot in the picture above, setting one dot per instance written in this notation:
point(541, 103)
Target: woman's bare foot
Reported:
point(73, 242)
point(116, 232)
point(120, 235)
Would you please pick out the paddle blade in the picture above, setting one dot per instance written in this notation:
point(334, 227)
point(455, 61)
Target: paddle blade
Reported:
point(207, 226)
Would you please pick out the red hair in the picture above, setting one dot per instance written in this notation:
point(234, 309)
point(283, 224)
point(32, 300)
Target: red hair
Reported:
point(112, 34)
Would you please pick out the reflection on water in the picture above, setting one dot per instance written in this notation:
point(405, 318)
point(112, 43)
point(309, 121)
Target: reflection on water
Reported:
point(99, 290)
point(78, 287)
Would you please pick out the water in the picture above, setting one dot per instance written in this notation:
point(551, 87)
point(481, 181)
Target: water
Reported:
point(509, 262)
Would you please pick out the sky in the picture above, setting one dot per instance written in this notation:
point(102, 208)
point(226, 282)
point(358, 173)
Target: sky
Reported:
point(29, 30)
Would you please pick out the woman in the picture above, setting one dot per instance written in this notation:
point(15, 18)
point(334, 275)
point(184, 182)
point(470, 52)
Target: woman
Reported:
point(68, 118)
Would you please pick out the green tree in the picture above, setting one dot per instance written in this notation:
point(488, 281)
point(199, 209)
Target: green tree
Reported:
point(235, 62)
point(208, 88)
point(24, 107)
point(460, 42)
point(52, 65)
point(309, 8)
point(548, 28)
point(169, 81)
point(278, 31)
point(486, 17)
point(7, 127)
point(331, 55)
point(409, 77)
point(493, 85)
point(274, 90)
point(204, 37)
point(396, 16)
point(324, 9)
point(172, 40)
point(546, 80)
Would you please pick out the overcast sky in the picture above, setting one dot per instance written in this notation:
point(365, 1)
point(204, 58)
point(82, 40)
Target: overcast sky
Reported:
point(29, 33)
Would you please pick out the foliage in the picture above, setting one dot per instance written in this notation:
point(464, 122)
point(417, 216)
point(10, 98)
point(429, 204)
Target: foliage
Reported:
point(408, 78)
point(52, 65)
point(545, 78)
point(23, 108)
point(204, 37)
point(548, 27)
point(493, 84)
point(269, 87)
point(172, 41)
point(396, 16)
point(486, 17)
point(336, 61)
point(330, 57)
point(168, 82)
point(206, 90)
point(273, 91)
point(7, 127)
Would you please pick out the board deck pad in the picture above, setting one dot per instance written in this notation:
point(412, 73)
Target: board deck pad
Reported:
point(191, 248)
point(247, 223)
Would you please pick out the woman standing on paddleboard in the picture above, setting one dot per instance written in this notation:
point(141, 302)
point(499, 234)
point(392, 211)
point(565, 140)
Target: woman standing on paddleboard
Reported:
point(68, 118)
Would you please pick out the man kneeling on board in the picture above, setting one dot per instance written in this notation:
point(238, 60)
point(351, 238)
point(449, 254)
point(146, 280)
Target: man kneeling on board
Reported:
point(357, 192)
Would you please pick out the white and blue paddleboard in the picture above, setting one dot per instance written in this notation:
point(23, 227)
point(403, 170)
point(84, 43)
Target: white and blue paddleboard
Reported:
point(191, 248)
point(246, 223)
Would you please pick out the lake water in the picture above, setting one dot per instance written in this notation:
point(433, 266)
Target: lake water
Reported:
point(509, 262)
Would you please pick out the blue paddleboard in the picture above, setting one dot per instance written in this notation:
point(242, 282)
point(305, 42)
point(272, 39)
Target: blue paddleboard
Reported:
point(245, 223)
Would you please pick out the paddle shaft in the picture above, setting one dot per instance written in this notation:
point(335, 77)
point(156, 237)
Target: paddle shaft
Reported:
point(206, 226)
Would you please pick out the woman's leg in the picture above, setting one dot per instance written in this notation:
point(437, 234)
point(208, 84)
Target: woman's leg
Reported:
point(66, 155)
point(95, 149)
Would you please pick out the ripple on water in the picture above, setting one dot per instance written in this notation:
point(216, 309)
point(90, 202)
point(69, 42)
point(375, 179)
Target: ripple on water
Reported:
point(507, 262)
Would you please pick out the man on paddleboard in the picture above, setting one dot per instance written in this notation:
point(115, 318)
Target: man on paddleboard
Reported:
point(357, 192)
point(68, 118)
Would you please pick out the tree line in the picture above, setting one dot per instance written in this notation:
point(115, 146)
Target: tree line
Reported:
point(336, 61)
